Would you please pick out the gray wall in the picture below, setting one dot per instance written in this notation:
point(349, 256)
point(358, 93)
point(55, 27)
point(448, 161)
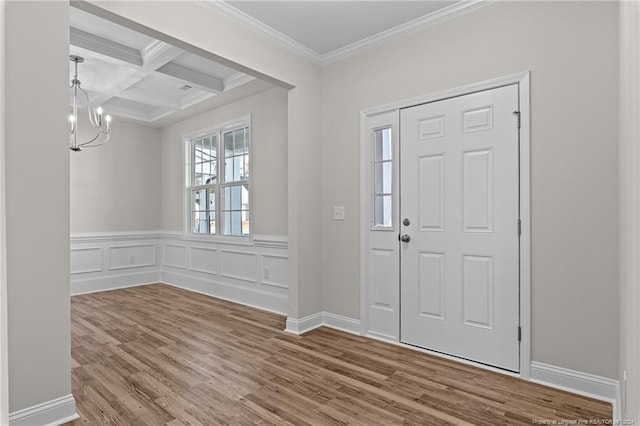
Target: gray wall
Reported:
point(116, 187)
point(268, 111)
point(37, 195)
point(571, 50)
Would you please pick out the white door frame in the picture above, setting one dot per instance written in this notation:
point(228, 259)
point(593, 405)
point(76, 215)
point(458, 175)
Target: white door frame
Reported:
point(4, 369)
point(523, 81)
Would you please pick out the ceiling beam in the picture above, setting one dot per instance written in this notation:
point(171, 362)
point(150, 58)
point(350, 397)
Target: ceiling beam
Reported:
point(105, 47)
point(203, 81)
point(152, 57)
point(157, 54)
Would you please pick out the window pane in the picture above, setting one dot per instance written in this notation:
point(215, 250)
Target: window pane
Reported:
point(245, 168)
point(197, 150)
point(214, 147)
point(245, 197)
point(233, 197)
point(203, 211)
point(236, 167)
point(212, 177)
point(382, 148)
point(378, 178)
point(228, 169)
point(240, 142)
point(199, 213)
point(236, 223)
point(228, 144)
point(236, 200)
point(382, 210)
point(236, 210)
point(211, 194)
point(197, 174)
point(386, 177)
point(245, 222)
point(232, 223)
point(206, 149)
point(226, 223)
point(386, 144)
point(383, 178)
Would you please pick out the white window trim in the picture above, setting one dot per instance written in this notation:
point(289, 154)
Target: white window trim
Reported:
point(186, 186)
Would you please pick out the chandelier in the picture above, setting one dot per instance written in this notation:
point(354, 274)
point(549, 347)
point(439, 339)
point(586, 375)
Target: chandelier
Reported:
point(101, 126)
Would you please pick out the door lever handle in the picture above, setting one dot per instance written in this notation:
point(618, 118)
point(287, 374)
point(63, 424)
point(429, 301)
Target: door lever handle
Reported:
point(405, 238)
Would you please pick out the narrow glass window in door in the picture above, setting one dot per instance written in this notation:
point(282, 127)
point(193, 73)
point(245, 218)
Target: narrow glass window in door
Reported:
point(382, 180)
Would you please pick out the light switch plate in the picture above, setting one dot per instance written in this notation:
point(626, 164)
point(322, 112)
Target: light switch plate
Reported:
point(338, 212)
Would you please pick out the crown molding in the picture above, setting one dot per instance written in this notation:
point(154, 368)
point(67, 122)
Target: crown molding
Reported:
point(238, 16)
point(436, 17)
point(409, 27)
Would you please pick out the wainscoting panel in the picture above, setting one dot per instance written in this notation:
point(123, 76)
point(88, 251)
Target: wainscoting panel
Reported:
point(85, 260)
point(174, 255)
point(239, 265)
point(204, 259)
point(252, 272)
point(107, 261)
point(275, 270)
point(132, 256)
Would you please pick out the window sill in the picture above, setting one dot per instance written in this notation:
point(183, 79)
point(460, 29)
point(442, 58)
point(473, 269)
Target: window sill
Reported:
point(220, 239)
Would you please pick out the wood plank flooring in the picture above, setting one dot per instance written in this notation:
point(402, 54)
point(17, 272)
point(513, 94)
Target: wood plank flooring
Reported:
point(158, 355)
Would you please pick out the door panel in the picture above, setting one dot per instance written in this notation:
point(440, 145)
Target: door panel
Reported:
point(459, 189)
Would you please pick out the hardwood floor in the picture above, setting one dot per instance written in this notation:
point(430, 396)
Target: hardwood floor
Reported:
point(158, 355)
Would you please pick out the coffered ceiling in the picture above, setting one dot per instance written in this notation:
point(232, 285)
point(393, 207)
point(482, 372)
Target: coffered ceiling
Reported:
point(134, 76)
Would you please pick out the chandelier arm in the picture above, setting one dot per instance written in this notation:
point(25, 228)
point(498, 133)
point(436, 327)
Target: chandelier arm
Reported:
point(93, 118)
point(92, 140)
point(90, 143)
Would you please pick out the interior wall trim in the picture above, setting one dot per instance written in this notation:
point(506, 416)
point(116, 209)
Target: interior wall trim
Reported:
point(591, 385)
point(254, 273)
point(51, 413)
point(322, 319)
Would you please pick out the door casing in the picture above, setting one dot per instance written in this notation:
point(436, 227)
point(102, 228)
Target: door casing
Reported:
point(523, 82)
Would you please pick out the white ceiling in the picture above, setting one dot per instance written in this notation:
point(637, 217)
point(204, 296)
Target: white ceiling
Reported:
point(137, 77)
point(326, 26)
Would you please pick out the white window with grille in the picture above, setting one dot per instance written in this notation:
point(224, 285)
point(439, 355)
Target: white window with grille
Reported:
point(219, 180)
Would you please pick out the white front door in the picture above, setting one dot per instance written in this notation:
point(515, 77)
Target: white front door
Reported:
point(459, 211)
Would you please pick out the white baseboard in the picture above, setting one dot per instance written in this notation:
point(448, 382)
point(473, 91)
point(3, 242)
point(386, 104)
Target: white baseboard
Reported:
point(326, 319)
point(113, 282)
point(271, 302)
point(586, 384)
point(304, 325)
point(342, 323)
point(50, 413)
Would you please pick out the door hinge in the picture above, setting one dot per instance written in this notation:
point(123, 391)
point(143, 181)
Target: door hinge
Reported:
point(519, 226)
point(519, 334)
point(517, 113)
